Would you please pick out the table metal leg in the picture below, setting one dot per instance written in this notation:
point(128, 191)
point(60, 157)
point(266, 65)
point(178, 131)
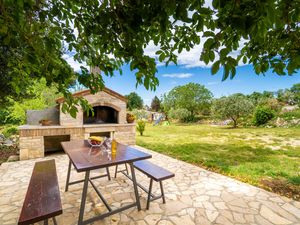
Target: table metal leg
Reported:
point(136, 192)
point(116, 171)
point(108, 173)
point(126, 168)
point(83, 198)
point(68, 176)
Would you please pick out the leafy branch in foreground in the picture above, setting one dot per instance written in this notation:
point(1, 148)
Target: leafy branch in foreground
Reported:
point(35, 36)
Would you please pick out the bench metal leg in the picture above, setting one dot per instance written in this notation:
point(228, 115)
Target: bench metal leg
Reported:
point(54, 221)
point(68, 176)
point(108, 174)
point(162, 191)
point(116, 171)
point(46, 222)
point(83, 198)
point(149, 194)
point(136, 192)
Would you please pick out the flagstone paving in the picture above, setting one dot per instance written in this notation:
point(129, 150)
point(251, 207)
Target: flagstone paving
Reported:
point(194, 196)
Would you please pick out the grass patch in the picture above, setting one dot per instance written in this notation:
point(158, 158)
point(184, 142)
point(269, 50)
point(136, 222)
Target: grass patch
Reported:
point(242, 153)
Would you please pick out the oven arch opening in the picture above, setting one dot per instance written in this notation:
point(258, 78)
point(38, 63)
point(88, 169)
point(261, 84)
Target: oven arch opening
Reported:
point(101, 115)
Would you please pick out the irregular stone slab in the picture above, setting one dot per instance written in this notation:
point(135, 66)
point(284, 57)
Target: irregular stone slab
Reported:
point(292, 209)
point(193, 196)
point(272, 216)
point(152, 219)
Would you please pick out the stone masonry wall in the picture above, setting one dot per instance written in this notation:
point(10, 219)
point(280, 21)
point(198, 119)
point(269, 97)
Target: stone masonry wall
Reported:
point(31, 147)
point(32, 137)
point(99, 99)
point(125, 135)
point(65, 119)
point(104, 99)
point(122, 133)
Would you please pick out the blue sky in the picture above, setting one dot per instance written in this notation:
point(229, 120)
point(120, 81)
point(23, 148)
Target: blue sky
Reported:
point(190, 69)
point(245, 81)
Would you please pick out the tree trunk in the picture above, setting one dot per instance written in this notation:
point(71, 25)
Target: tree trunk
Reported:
point(234, 122)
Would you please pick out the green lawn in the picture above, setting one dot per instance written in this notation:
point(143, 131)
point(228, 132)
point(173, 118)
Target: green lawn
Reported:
point(266, 157)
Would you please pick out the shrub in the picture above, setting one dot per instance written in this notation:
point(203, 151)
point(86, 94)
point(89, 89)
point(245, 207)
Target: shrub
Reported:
point(271, 103)
point(246, 121)
point(180, 114)
point(9, 131)
point(140, 114)
point(141, 124)
point(295, 114)
point(262, 115)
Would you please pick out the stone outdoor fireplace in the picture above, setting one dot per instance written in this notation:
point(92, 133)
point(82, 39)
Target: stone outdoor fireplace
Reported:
point(100, 115)
point(108, 119)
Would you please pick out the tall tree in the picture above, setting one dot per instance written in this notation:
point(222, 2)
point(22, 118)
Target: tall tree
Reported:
point(295, 89)
point(155, 104)
point(134, 101)
point(36, 35)
point(193, 97)
point(258, 98)
point(286, 96)
point(232, 107)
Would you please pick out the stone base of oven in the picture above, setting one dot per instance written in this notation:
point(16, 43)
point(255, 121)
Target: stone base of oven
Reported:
point(32, 137)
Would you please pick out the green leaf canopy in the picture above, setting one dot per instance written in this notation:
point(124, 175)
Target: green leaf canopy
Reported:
point(35, 35)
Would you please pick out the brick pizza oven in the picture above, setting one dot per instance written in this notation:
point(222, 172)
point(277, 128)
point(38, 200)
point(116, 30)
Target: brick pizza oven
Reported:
point(108, 119)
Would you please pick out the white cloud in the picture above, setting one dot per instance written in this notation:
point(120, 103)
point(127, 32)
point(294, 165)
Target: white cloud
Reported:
point(191, 59)
point(186, 59)
point(74, 64)
point(150, 49)
point(177, 75)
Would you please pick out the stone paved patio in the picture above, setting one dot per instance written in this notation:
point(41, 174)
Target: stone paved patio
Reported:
point(194, 196)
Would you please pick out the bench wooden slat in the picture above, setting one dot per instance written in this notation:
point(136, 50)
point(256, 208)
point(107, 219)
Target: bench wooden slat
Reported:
point(153, 171)
point(42, 199)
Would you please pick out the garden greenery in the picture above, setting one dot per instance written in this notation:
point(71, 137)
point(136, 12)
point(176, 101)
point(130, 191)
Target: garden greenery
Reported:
point(43, 96)
point(233, 107)
point(134, 101)
point(192, 98)
point(36, 37)
point(140, 114)
point(180, 114)
point(141, 125)
point(262, 115)
point(9, 131)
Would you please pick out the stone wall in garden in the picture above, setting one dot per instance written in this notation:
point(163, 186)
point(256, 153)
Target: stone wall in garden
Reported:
point(34, 116)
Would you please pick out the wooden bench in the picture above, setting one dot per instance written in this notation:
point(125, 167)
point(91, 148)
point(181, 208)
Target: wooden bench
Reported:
point(42, 200)
point(156, 173)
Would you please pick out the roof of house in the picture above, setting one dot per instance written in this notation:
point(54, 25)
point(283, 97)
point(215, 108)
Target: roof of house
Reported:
point(87, 92)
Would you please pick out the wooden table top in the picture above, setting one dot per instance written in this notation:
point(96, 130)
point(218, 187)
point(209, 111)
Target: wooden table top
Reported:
point(78, 152)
